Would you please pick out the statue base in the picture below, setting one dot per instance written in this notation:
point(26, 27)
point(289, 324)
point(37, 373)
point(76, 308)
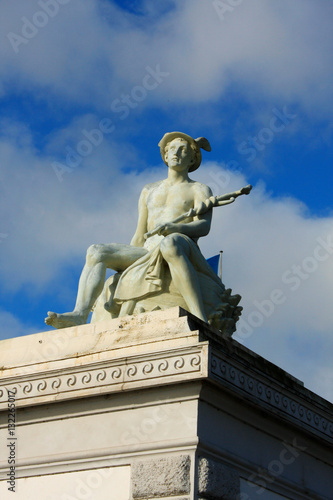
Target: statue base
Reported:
point(221, 307)
point(156, 406)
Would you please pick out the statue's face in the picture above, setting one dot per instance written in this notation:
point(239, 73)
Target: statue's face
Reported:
point(180, 155)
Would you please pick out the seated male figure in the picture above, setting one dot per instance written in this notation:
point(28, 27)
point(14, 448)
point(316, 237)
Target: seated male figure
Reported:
point(159, 203)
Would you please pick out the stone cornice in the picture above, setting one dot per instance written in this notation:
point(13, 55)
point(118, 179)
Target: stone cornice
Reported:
point(175, 365)
point(262, 392)
point(156, 349)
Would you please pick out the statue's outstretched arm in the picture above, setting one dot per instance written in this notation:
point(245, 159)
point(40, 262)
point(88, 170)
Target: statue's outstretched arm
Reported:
point(205, 206)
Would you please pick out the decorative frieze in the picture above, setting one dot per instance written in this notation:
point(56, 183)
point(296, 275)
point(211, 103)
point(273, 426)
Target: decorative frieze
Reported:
point(193, 357)
point(104, 377)
point(269, 395)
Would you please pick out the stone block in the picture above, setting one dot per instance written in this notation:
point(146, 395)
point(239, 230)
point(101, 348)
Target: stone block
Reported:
point(217, 481)
point(163, 477)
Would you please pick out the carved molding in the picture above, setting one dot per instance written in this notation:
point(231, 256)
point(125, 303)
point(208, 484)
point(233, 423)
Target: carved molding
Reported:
point(150, 369)
point(107, 375)
point(269, 395)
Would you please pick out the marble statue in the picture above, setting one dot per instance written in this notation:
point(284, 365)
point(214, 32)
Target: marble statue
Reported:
point(163, 266)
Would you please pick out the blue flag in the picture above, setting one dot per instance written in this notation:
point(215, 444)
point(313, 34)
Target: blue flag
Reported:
point(214, 263)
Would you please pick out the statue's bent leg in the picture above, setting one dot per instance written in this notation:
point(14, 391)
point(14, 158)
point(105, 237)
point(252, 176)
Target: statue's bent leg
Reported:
point(177, 252)
point(99, 258)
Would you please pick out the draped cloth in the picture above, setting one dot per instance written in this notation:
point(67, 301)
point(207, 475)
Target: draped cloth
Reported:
point(147, 275)
point(146, 286)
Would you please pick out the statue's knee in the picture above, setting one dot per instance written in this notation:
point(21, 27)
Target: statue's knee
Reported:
point(172, 246)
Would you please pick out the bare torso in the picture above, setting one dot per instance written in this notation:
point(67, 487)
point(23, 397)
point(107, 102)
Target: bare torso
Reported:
point(166, 201)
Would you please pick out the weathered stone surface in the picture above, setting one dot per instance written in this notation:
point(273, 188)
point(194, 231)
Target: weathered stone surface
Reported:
point(217, 481)
point(161, 478)
point(145, 394)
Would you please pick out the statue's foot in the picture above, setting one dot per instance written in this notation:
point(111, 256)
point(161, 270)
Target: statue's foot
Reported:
point(64, 320)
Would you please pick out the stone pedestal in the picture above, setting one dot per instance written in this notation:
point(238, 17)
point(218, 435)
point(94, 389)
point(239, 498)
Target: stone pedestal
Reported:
point(156, 406)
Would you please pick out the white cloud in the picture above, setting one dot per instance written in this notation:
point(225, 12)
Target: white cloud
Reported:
point(49, 222)
point(93, 49)
point(12, 326)
point(59, 57)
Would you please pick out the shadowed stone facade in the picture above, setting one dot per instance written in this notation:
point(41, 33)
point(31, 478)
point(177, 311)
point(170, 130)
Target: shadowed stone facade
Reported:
point(158, 406)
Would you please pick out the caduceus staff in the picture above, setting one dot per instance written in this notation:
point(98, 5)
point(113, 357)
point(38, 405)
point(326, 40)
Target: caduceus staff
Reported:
point(204, 206)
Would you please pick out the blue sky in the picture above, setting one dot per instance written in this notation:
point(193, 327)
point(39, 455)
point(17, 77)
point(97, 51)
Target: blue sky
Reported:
point(88, 89)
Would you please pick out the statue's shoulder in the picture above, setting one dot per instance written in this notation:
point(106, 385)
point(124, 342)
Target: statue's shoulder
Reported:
point(151, 186)
point(201, 189)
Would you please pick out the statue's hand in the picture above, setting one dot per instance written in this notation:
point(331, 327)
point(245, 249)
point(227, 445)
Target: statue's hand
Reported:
point(167, 228)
